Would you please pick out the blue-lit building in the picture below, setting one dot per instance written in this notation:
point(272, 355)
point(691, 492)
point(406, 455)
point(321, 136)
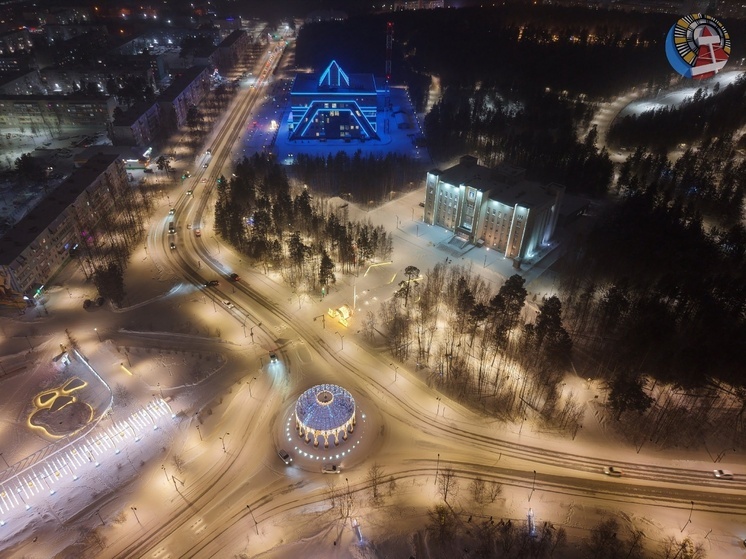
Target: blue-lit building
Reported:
point(334, 105)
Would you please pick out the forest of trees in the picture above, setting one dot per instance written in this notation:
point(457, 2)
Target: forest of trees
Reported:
point(706, 115)
point(538, 134)
point(362, 179)
point(257, 213)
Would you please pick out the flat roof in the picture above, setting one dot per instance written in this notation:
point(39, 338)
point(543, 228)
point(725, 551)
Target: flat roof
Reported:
point(181, 82)
point(232, 38)
point(23, 233)
point(524, 193)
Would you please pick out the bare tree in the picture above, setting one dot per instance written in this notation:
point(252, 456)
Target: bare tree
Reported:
point(477, 490)
point(494, 490)
point(447, 484)
point(123, 395)
point(375, 478)
point(178, 462)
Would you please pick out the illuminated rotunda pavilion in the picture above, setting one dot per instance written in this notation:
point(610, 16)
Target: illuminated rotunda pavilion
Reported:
point(325, 411)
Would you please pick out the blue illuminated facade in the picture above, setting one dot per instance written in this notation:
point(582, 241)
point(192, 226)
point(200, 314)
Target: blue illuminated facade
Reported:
point(334, 105)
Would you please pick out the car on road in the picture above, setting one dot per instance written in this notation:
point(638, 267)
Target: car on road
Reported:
point(171, 211)
point(723, 474)
point(205, 165)
point(612, 471)
point(330, 469)
point(228, 304)
point(272, 357)
point(198, 232)
point(285, 456)
point(212, 283)
point(203, 180)
point(189, 192)
point(173, 246)
point(235, 277)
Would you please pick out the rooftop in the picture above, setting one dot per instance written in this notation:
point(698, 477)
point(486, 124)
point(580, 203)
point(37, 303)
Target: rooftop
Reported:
point(181, 82)
point(23, 233)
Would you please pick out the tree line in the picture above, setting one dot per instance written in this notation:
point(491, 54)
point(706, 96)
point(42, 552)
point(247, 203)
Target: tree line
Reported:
point(359, 178)
point(479, 346)
point(537, 133)
point(304, 238)
point(704, 116)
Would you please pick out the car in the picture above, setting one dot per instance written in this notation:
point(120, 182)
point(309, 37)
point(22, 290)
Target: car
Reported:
point(228, 304)
point(422, 204)
point(272, 357)
point(208, 152)
point(203, 180)
point(147, 170)
point(173, 246)
point(212, 283)
point(87, 303)
point(189, 192)
point(285, 456)
point(330, 469)
point(723, 474)
point(235, 277)
point(189, 225)
point(612, 471)
point(171, 211)
point(205, 165)
point(198, 232)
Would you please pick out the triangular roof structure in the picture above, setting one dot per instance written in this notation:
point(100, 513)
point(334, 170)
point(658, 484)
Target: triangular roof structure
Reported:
point(333, 76)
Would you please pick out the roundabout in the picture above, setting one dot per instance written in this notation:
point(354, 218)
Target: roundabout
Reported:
point(327, 425)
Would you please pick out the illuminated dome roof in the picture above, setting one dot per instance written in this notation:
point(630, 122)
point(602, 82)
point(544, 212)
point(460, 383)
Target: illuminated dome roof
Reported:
point(323, 411)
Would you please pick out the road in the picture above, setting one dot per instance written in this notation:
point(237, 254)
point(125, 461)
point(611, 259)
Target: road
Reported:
point(245, 487)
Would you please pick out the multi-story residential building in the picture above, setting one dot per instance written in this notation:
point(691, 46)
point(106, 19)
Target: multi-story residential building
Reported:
point(15, 42)
point(35, 248)
point(231, 49)
point(138, 126)
point(52, 112)
point(25, 82)
point(496, 208)
point(187, 89)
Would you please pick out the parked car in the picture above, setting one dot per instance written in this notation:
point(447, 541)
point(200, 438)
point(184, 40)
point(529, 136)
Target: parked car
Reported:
point(100, 301)
point(212, 283)
point(723, 474)
point(285, 456)
point(235, 277)
point(87, 303)
point(330, 469)
point(612, 471)
point(147, 170)
point(198, 232)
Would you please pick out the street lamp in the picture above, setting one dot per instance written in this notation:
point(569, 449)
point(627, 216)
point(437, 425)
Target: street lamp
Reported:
point(396, 370)
point(438, 410)
point(690, 516)
point(134, 511)
point(437, 465)
point(533, 487)
point(342, 338)
point(163, 467)
point(222, 440)
point(99, 335)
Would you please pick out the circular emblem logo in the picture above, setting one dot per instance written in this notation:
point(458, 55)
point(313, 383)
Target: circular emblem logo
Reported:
point(697, 46)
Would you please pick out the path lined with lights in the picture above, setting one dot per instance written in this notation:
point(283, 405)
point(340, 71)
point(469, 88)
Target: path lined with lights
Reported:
point(71, 460)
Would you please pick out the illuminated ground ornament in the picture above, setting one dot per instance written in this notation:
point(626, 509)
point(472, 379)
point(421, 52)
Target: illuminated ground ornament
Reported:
point(325, 411)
